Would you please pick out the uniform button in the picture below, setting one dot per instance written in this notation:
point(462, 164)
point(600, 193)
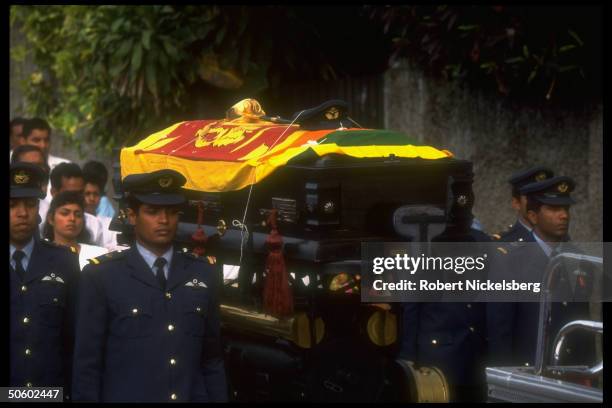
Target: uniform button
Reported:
point(198, 309)
point(173, 397)
point(564, 303)
point(469, 305)
point(569, 350)
point(28, 352)
point(55, 300)
point(526, 364)
point(29, 384)
point(24, 288)
point(26, 320)
point(172, 361)
point(168, 295)
point(134, 311)
point(472, 329)
point(434, 341)
point(170, 327)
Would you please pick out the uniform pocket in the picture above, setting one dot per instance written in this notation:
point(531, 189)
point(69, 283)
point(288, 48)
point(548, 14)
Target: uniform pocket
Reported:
point(194, 315)
point(52, 304)
point(133, 320)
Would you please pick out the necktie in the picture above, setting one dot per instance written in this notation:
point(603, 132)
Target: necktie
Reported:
point(159, 271)
point(18, 256)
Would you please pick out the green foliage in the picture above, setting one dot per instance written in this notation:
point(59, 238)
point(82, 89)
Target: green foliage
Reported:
point(116, 73)
point(527, 50)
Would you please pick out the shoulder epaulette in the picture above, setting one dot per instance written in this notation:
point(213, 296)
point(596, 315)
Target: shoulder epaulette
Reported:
point(210, 259)
point(496, 237)
point(107, 257)
point(502, 250)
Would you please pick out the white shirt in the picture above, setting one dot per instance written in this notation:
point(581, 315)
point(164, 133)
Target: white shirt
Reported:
point(150, 258)
point(109, 238)
point(89, 251)
point(93, 225)
point(27, 250)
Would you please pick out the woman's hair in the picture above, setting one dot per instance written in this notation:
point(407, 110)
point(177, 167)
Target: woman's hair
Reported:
point(61, 199)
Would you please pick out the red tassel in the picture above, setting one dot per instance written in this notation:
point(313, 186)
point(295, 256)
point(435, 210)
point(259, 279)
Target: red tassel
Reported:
point(199, 237)
point(277, 296)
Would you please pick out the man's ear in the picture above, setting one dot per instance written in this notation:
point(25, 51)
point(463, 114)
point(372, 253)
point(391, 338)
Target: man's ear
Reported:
point(131, 216)
point(532, 217)
point(516, 204)
point(53, 192)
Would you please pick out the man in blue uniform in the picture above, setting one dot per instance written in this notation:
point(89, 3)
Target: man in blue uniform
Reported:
point(148, 317)
point(449, 336)
point(520, 230)
point(43, 279)
point(512, 326)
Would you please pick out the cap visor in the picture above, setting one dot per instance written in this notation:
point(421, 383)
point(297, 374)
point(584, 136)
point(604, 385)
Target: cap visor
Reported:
point(557, 201)
point(27, 193)
point(161, 199)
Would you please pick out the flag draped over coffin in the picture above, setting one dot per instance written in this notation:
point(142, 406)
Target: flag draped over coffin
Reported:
point(226, 155)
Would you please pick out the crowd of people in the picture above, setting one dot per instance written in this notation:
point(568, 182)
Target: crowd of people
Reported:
point(75, 210)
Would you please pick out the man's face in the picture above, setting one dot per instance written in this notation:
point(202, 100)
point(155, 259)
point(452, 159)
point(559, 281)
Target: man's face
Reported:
point(41, 139)
point(155, 225)
point(16, 132)
point(92, 197)
point(552, 221)
point(23, 219)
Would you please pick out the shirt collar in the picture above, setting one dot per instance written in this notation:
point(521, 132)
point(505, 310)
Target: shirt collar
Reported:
point(543, 244)
point(27, 249)
point(150, 257)
point(527, 226)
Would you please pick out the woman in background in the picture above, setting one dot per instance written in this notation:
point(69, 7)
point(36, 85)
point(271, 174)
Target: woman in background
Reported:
point(65, 225)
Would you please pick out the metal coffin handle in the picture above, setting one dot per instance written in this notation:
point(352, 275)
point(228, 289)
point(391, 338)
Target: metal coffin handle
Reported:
point(588, 325)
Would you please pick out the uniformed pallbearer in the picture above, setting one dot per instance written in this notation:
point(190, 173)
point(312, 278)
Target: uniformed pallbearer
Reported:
point(520, 230)
point(42, 291)
point(148, 317)
point(513, 327)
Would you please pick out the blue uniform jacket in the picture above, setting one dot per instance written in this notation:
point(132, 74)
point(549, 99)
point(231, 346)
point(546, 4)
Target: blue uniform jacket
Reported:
point(135, 342)
point(516, 233)
point(450, 336)
point(42, 318)
point(513, 326)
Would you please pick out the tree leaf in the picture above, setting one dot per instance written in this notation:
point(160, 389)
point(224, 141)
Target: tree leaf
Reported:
point(146, 39)
point(575, 37)
point(566, 48)
point(151, 79)
point(136, 57)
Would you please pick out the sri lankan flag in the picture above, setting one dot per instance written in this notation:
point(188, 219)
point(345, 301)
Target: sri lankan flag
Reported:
point(226, 155)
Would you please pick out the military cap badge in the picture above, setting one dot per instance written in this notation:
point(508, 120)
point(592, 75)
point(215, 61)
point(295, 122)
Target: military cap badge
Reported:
point(21, 177)
point(563, 187)
point(165, 182)
point(540, 176)
point(332, 113)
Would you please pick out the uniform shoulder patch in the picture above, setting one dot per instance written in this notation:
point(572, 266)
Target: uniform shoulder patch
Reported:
point(502, 250)
point(107, 257)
